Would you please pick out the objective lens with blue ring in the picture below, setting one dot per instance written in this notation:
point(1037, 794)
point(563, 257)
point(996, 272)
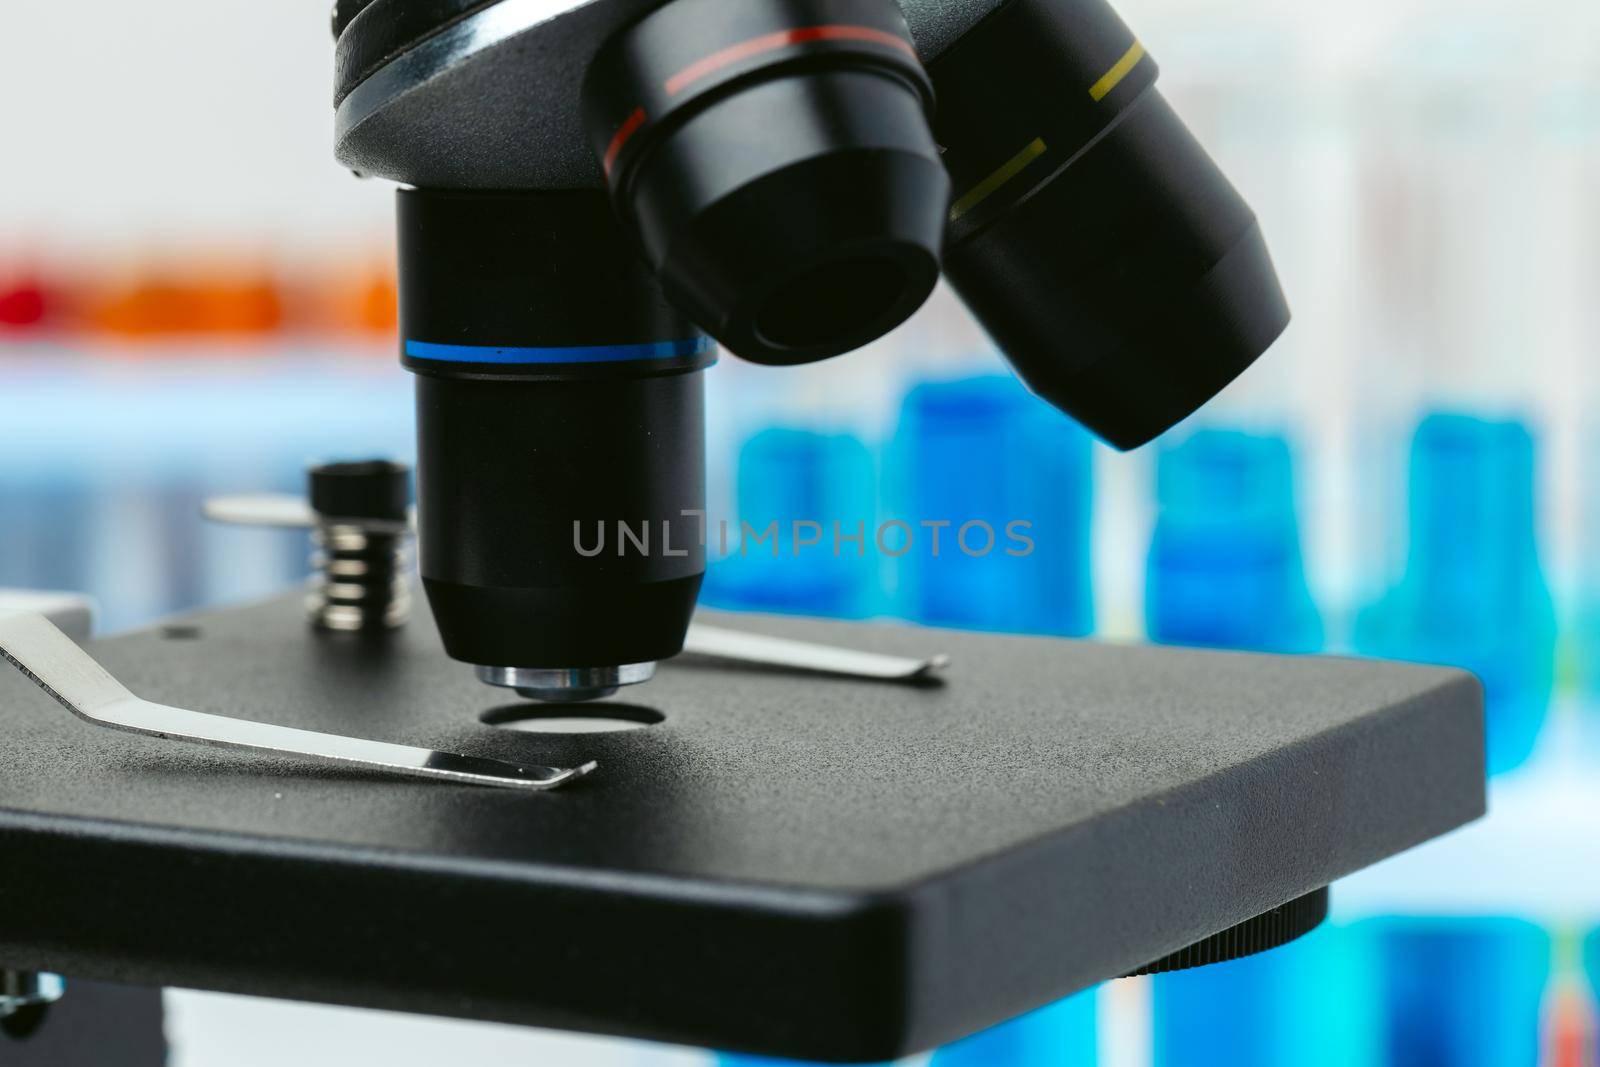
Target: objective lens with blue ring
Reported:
point(561, 460)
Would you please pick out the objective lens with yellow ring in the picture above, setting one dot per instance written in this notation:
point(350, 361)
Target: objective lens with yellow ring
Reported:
point(1119, 272)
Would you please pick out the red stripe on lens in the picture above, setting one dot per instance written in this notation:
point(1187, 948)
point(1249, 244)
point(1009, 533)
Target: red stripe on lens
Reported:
point(629, 127)
point(783, 39)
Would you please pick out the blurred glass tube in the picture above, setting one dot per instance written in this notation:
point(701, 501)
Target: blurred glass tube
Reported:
point(1462, 992)
point(1309, 1003)
point(1063, 1033)
point(803, 539)
point(107, 462)
point(1253, 79)
point(46, 528)
point(1570, 1034)
point(1449, 287)
point(1473, 594)
point(1591, 967)
point(730, 1059)
point(57, 516)
point(1225, 567)
point(1573, 125)
point(985, 465)
point(1451, 272)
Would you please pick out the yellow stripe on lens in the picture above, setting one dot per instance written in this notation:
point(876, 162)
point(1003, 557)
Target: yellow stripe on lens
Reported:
point(1113, 78)
point(991, 185)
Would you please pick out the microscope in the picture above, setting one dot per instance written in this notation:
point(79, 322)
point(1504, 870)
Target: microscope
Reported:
point(598, 194)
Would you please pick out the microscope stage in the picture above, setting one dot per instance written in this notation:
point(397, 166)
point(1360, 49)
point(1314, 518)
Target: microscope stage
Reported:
point(787, 864)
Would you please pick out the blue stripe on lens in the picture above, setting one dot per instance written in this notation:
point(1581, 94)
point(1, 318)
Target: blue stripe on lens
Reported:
point(697, 346)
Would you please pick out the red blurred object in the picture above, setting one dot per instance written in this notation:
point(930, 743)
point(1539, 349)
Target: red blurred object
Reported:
point(22, 304)
point(1572, 1035)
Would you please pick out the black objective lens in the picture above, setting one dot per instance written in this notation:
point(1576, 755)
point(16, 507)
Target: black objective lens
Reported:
point(775, 160)
point(1112, 262)
point(559, 399)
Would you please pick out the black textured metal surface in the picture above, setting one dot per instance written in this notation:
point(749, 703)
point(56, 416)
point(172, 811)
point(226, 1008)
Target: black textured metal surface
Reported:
point(810, 867)
point(1262, 933)
point(505, 115)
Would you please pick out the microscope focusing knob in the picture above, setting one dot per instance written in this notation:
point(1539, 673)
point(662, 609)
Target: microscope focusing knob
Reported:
point(1268, 930)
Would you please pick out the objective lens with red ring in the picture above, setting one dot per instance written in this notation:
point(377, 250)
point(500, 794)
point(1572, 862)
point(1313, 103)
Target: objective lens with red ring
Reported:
point(775, 161)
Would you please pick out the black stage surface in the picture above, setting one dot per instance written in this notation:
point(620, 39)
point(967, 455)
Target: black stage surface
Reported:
point(810, 867)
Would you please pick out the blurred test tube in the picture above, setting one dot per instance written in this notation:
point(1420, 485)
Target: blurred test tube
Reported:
point(1063, 1033)
point(47, 521)
point(1309, 1003)
point(1225, 567)
point(1009, 481)
point(1473, 594)
point(1591, 967)
point(1570, 1035)
point(731, 1059)
point(802, 542)
point(1452, 293)
point(1460, 992)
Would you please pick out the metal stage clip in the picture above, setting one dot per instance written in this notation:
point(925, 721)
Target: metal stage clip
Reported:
point(50, 659)
point(758, 649)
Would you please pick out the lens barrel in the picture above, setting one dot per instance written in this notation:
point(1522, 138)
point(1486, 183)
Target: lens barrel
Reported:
point(775, 160)
point(1114, 265)
point(559, 398)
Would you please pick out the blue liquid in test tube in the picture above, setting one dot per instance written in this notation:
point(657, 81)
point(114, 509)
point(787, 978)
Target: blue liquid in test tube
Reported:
point(1225, 567)
point(46, 525)
point(1473, 594)
point(1061, 1035)
point(1064, 1034)
point(788, 477)
point(728, 1059)
point(1591, 966)
point(1307, 1003)
point(50, 495)
point(1463, 992)
point(984, 454)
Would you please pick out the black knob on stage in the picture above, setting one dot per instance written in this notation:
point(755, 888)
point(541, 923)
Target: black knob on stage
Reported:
point(775, 161)
point(361, 489)
point(362, 579)
point(559, 400)
point(1112, 262)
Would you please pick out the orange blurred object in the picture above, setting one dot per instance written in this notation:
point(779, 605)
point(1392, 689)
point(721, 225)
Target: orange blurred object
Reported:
point(192, 300)
point(178, 293)
point(363, 300)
